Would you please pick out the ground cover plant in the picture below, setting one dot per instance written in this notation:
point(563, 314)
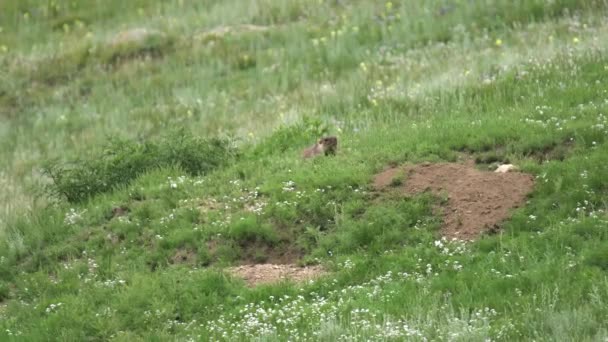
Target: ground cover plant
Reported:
point(134, 239)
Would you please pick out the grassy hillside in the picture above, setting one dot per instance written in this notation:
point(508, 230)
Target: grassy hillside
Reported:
point(145, 146)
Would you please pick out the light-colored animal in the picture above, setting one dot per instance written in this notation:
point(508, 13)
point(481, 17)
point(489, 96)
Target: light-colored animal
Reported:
point(504, 168)
point(325, 145)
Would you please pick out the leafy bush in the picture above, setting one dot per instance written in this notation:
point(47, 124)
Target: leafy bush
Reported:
point(248, 229)
point(4, 291)
point(121, 161)
point(598, 258)
point(299, 135)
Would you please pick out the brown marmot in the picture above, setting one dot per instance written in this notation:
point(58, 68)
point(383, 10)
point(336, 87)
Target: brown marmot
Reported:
point(325, 145)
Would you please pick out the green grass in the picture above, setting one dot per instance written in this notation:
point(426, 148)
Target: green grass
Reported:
point(516, 81)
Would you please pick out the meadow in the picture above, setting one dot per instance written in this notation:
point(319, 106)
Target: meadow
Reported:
point(148, 146)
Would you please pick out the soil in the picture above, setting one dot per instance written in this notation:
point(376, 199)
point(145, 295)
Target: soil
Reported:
point(477, 201)
point(184, 256)
point(119, 211)
point(273, 273)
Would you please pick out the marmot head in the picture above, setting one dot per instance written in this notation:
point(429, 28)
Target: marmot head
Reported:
point(329, 144)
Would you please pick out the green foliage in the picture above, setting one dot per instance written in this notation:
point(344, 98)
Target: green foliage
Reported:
point(248, 229)
point(4, 291)
point(598, 257)
point(383, 227)
point(398, 179)
point(523, 83)
point(305, 132)
point(121, 161)
point(155, 44)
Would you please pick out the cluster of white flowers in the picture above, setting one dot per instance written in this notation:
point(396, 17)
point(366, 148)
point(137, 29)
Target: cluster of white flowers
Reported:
point(347, 264)
point(53, 307)
point(308, 319)
point(289, 186)
point(173, 183)
point(112, 283)
point(451, 247)
point(73, 216)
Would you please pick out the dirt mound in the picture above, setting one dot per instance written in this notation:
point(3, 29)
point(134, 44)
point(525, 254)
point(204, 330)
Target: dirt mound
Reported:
point(271, 273)
point(477, 201)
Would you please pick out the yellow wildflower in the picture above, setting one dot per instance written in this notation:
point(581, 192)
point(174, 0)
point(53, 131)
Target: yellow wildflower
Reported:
point(498, 42)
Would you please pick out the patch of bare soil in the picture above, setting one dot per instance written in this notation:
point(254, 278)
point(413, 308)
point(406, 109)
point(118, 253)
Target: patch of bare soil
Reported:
point(120, 211)
point(184, 256)
point(272, 273)
point(477, 201)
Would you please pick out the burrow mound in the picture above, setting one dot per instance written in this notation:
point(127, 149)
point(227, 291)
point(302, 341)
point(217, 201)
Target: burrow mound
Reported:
point(477, 201)
point(272, 273)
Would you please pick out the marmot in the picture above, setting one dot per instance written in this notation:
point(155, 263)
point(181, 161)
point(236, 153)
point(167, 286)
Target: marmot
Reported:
point(325, 145)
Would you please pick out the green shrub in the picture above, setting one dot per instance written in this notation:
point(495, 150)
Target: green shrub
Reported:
point(248, 229)
point(598, 258)
point(299, 135)
point(121, 161)
point(4, 291)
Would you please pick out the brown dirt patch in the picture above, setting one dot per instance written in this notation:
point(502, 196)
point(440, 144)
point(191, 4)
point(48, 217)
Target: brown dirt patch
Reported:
point(120, 211)
point(184, 256)
point(477, 201)
point(273, 273)
point(209, 204)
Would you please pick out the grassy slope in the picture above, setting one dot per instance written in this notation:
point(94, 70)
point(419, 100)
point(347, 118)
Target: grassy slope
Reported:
point(398, 83)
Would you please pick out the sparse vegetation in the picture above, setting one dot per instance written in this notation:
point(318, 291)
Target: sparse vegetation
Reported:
point(132, 239)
